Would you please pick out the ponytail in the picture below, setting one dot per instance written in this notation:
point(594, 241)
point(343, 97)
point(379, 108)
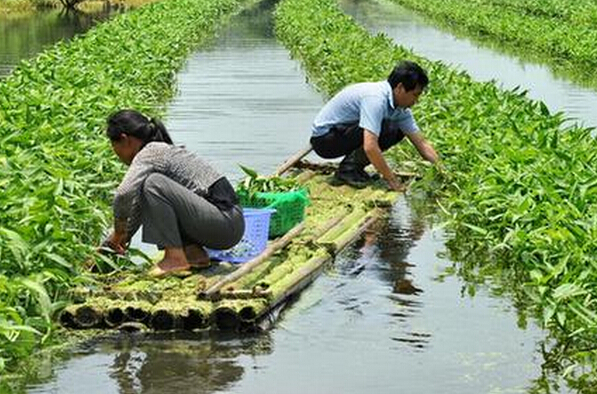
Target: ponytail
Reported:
point(158, 131)
point(134, 123)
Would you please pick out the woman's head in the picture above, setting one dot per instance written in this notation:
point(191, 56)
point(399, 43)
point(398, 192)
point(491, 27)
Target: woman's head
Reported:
point(130, 130)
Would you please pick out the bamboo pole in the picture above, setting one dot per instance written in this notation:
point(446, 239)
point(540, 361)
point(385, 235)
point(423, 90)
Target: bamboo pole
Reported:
point(225, 318)
point(135, 313)
point(350, 220)
point(302, 277)
point(87, 316)
point(292, 160)
point(247, 314)
point(252, 277)
point(244, 294)
point(67, 317)
point(114, 316)
point(255, 262)
point(194, 319)
point(295, 283)
point(346, 239)
point(163, 320)
point(329, 168)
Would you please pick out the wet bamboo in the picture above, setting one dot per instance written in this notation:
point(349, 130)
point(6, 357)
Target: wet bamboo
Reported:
point(225, 318)
point(247, 314)
point(67, 316)
point(295, 282)
point(293, 160)
point(252, 264)
point(194, 319)
point(349, 237)
point(163, 320)
point(194, 314)
point(327, 226)
point(301, 277)
point(114, 316)
point(254, 276)
point(87, 316)
point(352, 220)
point(304, 176)
point(244, 294)
point(329, 167)
point(136, 313)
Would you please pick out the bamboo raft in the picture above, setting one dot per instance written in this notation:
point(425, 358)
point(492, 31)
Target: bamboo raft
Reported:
point(247, 296)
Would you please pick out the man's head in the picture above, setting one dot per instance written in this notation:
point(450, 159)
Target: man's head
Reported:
point(408, 80)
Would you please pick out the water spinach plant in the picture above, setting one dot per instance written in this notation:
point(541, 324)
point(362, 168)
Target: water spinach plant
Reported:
point(519, 187)
point(57, 170)
point(560, 32)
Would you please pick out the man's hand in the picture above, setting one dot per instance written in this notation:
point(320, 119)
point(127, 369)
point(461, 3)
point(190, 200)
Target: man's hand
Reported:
point(423, 147)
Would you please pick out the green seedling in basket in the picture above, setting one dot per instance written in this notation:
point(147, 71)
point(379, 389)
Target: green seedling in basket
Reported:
point(255, 183)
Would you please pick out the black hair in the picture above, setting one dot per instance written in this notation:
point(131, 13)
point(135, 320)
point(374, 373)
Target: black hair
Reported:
point(410, 74)
point(134, 123)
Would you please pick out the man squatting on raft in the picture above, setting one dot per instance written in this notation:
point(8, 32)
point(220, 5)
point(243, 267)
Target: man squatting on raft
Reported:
point(182, 202)
point(365, 119)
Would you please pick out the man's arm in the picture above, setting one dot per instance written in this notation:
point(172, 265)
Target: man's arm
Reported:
point(424, 147)
point(375, 156)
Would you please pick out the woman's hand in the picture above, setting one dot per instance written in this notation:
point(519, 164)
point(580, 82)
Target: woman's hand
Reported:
point(117, 242)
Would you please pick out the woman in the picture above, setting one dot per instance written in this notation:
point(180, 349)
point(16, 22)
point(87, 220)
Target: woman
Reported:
point(181, 201)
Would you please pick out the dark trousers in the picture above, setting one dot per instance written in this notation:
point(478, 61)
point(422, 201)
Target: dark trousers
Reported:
point(174, 216)
point(343, 140)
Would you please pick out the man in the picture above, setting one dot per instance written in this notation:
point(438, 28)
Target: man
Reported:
point(365, 119)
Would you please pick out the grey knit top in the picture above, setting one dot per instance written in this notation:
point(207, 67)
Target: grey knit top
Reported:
point(174, 162)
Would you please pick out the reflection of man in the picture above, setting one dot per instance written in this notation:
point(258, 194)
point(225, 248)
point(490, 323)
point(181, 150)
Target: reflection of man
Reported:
point(367, 118)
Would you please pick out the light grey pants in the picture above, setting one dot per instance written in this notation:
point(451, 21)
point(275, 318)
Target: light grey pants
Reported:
point(174, 216)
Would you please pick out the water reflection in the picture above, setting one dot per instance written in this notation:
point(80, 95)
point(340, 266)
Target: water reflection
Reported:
point(245, 101)
point(412, 31)
point(22, 36)
point(376, 321)
point(169, 363)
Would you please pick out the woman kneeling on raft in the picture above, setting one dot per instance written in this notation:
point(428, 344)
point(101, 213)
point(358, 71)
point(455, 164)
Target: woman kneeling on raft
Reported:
point(182, 202)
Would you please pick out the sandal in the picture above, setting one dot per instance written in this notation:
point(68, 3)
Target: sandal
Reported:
point(158, 272)
point(197, 256)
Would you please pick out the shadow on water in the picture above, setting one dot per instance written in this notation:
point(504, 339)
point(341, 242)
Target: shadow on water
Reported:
point(23, 36)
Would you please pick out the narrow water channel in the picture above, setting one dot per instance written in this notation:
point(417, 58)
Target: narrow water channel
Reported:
point(22, 36)
point(413, 31)
point(379, 320)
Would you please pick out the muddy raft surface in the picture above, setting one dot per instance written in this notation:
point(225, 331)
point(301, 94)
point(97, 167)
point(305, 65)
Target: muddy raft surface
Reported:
point(238, 296)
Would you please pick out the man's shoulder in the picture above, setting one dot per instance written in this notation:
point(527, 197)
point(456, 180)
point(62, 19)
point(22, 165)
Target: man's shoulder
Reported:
point(368, 87)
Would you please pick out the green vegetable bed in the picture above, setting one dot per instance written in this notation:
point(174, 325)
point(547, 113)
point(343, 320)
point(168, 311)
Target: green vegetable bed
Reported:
point(56, 167)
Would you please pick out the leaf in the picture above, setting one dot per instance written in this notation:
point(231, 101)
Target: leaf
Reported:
point(250, 172)
point(15, 243)
point(58, 259)
point(544, 109)
point(42, 296)
point(475, 228)
point(566, 291)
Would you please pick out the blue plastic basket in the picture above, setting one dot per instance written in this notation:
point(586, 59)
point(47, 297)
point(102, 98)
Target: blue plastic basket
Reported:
point(254, 240)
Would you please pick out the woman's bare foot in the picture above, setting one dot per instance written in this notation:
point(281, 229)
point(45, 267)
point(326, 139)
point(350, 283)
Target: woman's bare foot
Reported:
point(196, 256)
point(174, 262)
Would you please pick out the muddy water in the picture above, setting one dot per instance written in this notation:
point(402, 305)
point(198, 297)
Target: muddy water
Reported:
point(379, 320)
point(22, 36)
